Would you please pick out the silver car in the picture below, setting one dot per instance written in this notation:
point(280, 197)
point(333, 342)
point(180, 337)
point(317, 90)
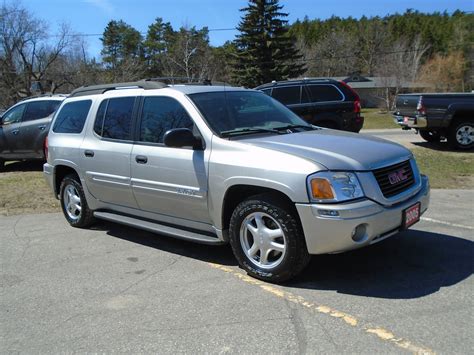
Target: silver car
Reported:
point(219, 164)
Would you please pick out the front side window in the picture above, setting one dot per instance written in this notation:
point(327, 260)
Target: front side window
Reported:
point(159, 115)
point(14, 115)
point(237, 110)
point(289, 95)
point(114, 118)
point(40, 109)
point(72, 117)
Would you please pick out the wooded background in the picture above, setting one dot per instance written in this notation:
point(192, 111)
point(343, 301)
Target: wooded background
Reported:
point(435, 48)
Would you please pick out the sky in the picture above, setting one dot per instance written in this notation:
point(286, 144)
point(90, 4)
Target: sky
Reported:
point(92, 16)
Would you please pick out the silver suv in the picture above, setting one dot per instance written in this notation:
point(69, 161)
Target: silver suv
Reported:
point(217, 164)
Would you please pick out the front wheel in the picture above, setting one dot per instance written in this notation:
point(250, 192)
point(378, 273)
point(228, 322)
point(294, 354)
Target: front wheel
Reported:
point(461, 134)
point(430, 136)
point(267, 239)
point(74, 204)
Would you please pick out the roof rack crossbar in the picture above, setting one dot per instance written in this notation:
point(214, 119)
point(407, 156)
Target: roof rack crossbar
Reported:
point(100, 89)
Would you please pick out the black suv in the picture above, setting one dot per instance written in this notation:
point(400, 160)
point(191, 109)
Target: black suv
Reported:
point(322, 102)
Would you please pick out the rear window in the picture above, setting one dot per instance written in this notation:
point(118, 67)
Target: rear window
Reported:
point(320, 93)
point(40, 109)
point(72, 117)
point(289, 95)
point(114, 118)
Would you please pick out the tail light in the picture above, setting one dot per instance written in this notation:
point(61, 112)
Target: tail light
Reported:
point(357, 105)
point(45, 148)
point(420, 107)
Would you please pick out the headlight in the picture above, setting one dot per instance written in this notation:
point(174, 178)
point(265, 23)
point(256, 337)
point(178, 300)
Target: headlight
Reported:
point(334, 186)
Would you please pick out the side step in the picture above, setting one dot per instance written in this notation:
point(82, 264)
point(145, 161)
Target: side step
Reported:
point(158, 228)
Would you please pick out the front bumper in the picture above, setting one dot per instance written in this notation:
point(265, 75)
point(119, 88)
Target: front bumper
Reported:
point(334, 234)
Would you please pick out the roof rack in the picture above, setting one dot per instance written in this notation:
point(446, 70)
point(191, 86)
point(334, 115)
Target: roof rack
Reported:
point(100, 89)
point(183, 80)
point(43, 95)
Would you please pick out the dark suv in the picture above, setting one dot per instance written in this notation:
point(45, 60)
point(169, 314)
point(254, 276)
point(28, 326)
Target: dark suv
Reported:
point(322, 102)
point(24, 127)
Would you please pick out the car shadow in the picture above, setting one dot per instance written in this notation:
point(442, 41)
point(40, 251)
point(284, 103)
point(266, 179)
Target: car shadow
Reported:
point(29, 165)
point(219, 254)
point(411, 264)
point(440, 146)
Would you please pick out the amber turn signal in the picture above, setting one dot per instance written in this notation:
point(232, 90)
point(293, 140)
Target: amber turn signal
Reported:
point(321, 189)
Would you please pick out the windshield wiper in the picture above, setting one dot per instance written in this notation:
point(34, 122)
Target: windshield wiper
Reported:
point(237, 132)
point(290, 126)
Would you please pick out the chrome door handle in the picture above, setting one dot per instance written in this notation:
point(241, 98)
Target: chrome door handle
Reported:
point(41, 127)
point(16, 131)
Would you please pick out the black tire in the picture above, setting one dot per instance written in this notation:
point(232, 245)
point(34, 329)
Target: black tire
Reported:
point(457, 134)
point(430, 136)
point(79, 219)
point(295, 257)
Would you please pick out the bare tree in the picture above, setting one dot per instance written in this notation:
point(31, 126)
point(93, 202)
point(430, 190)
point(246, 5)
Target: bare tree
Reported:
point(333, 55)
point(398, 68)
point(27, 51)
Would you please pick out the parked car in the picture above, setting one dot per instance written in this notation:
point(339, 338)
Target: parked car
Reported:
point(438, 116)
point(321, 102)
point(24, 127)
point(218, 164)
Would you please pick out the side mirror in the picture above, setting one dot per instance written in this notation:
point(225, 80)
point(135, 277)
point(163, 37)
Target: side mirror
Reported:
point(182, 137)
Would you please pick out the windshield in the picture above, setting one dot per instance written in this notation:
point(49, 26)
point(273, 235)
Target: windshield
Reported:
point(244, 111)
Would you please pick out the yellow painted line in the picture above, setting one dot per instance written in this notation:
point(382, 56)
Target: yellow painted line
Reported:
point(382, 334)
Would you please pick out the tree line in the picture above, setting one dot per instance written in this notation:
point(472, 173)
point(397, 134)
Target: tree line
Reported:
point(432, 48)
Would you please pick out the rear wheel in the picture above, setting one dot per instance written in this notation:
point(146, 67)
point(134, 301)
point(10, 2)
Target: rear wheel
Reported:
point(267, 239)
point(430, 136)
point(461, 134)
point(74, 204)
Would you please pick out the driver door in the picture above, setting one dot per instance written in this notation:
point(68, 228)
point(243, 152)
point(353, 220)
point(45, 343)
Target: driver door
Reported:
point(10, 129)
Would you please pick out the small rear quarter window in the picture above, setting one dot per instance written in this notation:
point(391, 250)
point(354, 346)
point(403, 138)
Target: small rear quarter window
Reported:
point(322, 93)
point(72, 116)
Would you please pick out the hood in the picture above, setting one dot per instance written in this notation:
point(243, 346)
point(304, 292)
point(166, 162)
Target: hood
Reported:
point(335, 150)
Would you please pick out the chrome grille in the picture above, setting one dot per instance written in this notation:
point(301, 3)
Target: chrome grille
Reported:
point(395, 179)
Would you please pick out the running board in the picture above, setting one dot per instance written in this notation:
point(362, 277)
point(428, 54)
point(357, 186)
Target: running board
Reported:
point(158, 228)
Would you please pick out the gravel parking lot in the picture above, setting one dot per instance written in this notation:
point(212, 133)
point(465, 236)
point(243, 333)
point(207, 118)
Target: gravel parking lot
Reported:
point(119, 289)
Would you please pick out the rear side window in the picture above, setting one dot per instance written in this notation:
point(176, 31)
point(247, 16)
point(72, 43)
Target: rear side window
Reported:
point(320, 93)
point(40, 109)
point(159, 115)
point(289, 95)
point(114, 118)
point(267, 92)
point(72, 117)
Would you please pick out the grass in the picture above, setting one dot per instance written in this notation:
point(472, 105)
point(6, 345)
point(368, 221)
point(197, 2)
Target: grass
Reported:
point(23, 188)
point(375, 119)
point(446, 170)
point(23, 192)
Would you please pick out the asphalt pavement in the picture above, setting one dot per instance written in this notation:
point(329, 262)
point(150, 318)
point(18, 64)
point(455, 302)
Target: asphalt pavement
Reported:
point(117, 289)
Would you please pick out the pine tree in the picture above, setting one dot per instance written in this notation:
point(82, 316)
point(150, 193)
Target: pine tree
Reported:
point(265, 50)
point(120, 42)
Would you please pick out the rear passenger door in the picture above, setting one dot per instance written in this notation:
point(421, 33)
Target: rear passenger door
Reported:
point(290, 96)
point(165, 180)
point(105, 152)
point(328, 105)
